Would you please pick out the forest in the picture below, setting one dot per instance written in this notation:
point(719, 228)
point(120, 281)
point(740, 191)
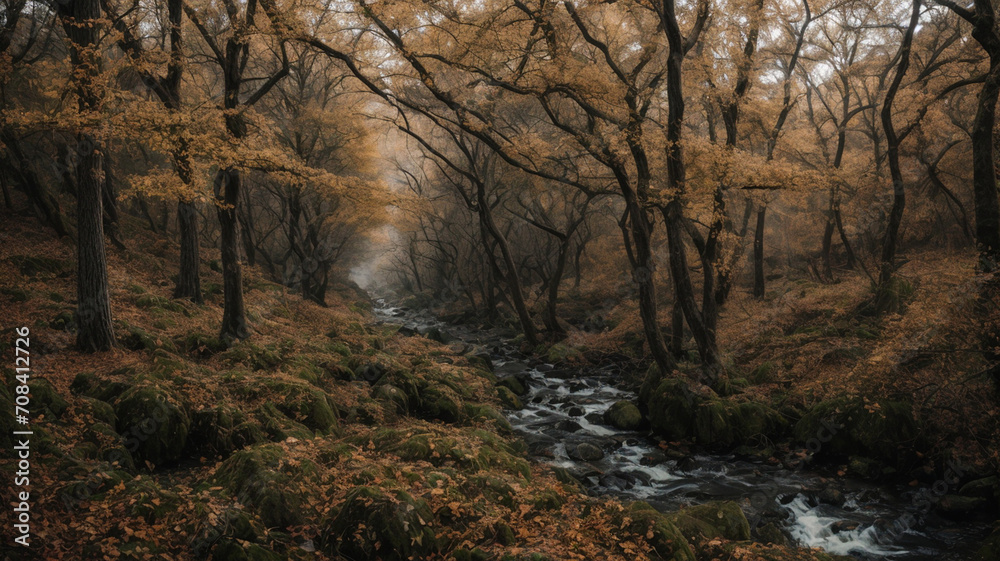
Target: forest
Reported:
point(502, 280)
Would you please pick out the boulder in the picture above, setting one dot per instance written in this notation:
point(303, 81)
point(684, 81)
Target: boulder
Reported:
point(623, 415)
point(153, 422)
point(388, 524)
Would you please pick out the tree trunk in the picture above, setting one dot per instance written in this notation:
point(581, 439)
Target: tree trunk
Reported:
point(188, 280)
point(984, 182)
point(94, 329)
point(227, 193)
point(758, 253)
point(511, 277)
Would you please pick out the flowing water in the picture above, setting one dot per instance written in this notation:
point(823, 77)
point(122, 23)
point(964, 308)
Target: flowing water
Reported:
point(564, 410)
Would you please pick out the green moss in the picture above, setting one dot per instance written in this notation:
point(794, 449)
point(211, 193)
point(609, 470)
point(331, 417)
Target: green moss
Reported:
point(845, 426)
point(153, 423)
point(508, 399)
point(623, 415)
point(724, 520)
point(513, 384)
point(260, 480)
point(668, 542)
point(388, 524)
point(549, 500)
point(300, 401)
point(276, 425)
point(45, 398)
point(677, 413)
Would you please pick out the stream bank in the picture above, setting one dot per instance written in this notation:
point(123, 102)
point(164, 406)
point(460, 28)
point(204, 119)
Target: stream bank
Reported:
point(562, 413)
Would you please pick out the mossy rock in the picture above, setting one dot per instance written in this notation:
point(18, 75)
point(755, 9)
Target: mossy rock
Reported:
point(844, 426)
point(438, 401)
point(560, 353)
point(32, 266)
point(677, 412)
point(513, 384)
point(45, 398)
point(623, 415)
point(508, 398)
point(393, 397)
point(101, 410)
point(487, 414)
point(657, 529)
point(260, 480)
point(277, 425)
point(299, 400)
point(90, 385)
point(388, 524)
point(201, 345)
point(475, 554)
point(549, 500)
point(212, 429)
point(254, 356)
point(153, 423)
point(103, 443)
point(149, 501)
point(138, 339)
point(724, 520)
point(990, 549)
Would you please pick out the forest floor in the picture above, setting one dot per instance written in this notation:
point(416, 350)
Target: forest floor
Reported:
point(323, 436)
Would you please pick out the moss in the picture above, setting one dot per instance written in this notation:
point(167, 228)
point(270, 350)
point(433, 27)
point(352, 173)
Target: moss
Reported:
point(212, 429)
point(388, 524)
point(560, 353)
point(677, 412)
point(138, 339)
point(513, 384)
point(255, 476)
point(392, 397)
point(668, 542)
point(487, 414)
point(623, 415)
point(253, 356)
point(438, 401)
point(549, 500)
point(298, 400)
point(153, 422)
point(45, 398)
point(201, 345)
point(724, 520)
point(508, 399)
point(845, 426)
point(101, 410)
point(33, 266)
point(149, 501)
point(152, 302)
point(275, 424)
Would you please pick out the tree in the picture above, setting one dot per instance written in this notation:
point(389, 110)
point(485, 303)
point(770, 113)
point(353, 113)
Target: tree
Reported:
point(983, 18)
point(81, 21)
point(232, 55)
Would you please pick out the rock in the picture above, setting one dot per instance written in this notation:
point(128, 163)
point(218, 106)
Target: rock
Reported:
point(623, 415)
point(45, 398)
point(831, 496)
point(843, 526)
point(567, 425)
point(848, 426)
point(513, 384)
point(659, 532)
point(371, 372)
point(508, 399)
point(586, 452)
point(957, 506)
point(392, 396)
point(153, 422)
point(576, 411)
point(724, 520)
point(255, 477)
point(770, 534)
point(677, 412)
point(388, 524)
point(986, 487)
point(406, 331)
point(438, 401)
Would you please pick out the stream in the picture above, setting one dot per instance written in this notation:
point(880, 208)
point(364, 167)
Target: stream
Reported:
point(564, 409)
